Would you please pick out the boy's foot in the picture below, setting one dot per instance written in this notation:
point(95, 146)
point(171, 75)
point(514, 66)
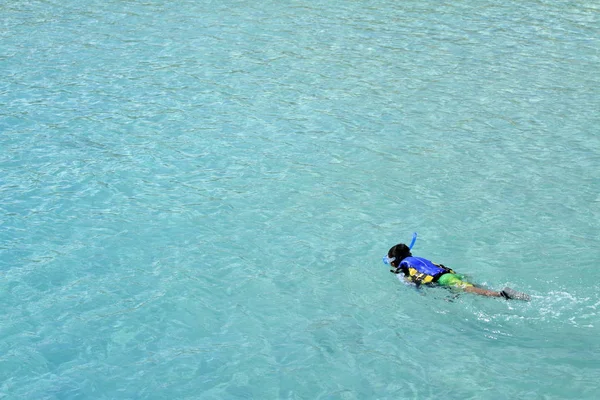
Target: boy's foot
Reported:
point(509, 293)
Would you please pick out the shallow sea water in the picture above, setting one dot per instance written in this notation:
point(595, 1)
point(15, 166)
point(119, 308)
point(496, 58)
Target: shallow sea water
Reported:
point(196, 197)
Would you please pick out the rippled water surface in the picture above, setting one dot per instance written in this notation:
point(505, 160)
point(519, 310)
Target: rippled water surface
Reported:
point(196, 196)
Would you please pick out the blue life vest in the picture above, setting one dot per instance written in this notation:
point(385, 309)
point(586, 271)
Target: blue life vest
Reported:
point(421, 270)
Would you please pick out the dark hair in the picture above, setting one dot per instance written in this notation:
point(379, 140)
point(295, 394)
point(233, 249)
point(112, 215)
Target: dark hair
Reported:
point(400, 251)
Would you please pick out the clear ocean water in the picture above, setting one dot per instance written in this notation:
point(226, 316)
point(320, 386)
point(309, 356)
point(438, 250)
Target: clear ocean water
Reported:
point(196, 197)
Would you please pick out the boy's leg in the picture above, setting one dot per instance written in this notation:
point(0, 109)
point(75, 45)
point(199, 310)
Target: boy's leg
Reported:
point(454, 280)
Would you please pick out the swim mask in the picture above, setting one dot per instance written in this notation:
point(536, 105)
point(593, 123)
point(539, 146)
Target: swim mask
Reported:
point(387, 260)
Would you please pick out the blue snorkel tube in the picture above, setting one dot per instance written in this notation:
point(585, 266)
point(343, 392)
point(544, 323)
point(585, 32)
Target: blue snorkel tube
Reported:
point(412, 242)
point(387, 260)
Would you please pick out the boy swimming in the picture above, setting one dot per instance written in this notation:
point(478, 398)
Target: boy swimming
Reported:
point(422, 271)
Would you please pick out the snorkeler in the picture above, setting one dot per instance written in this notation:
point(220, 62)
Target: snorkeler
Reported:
point(421, 271)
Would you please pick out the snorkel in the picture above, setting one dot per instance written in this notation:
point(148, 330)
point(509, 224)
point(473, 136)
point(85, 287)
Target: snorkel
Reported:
point(387, 260)
point(412, 242)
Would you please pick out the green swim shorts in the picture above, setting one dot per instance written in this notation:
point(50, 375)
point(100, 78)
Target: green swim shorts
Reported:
point(453, 280)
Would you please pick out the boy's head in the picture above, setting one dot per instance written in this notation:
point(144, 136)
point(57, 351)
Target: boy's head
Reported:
point(399, 252)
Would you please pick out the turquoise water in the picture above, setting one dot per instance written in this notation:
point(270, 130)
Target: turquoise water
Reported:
point(196, 196)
